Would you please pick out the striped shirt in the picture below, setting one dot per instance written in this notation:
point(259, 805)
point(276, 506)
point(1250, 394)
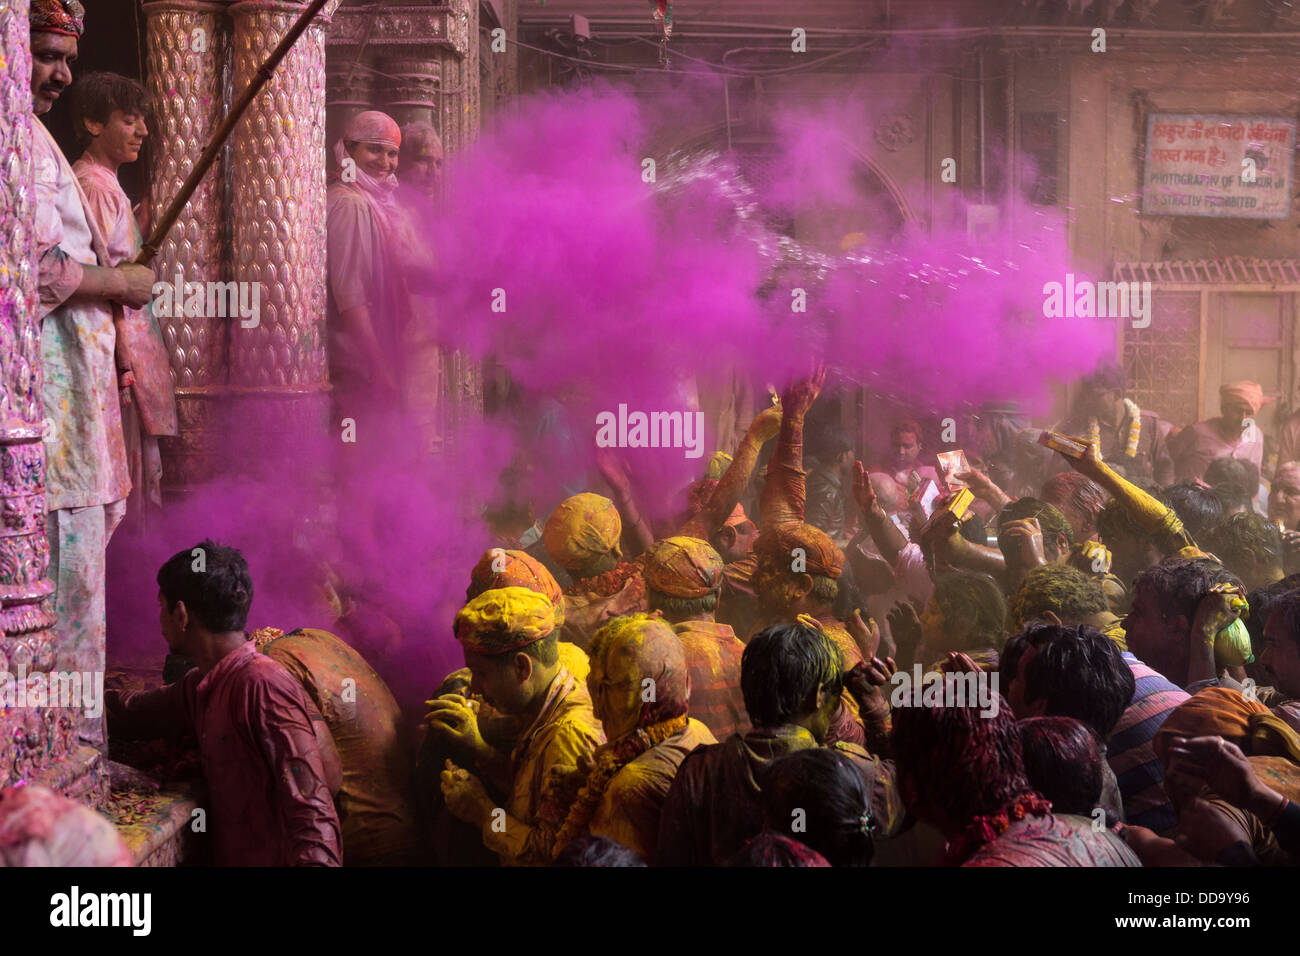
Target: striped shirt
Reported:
point(1137, 768)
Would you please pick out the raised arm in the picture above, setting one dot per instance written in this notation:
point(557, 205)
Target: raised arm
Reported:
point(784, 490)
point(734, 481)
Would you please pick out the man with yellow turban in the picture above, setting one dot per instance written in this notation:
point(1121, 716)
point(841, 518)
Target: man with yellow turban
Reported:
point(582, 536)
point(1234, 434)
point(509, 636)
point(641, 689)
point(683, 579)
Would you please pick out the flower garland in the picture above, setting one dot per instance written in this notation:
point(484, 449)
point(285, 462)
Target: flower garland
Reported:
point(610, 759)
point(609, 583)
point(1134, 415)
point(986, 829)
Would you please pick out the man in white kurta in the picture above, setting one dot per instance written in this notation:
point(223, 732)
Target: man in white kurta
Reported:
point(86, 473)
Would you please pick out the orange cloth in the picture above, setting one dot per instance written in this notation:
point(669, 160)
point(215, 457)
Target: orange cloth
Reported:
point(504, 619)
point(683, 568)
point(821, 555)
point(581, 529)
point(1213, 712)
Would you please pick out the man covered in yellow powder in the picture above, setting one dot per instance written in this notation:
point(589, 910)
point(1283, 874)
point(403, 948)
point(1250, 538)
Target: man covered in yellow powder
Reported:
point(582, 536)
point(683, 579)
point(641, 690)
point(497, 568)
point(509, 636)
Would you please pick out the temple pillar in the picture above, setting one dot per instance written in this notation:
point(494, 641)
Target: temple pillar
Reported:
point(38, 744)
point(186, 86)
point(278, 373)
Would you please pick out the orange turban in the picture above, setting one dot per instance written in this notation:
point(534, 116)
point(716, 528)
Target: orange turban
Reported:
point(821, 555)
point(582, 529)
point(1248, 392)
point(638, 647)
point(503, 620)
point(683, 568)
point(499, 568)
point(372, 126)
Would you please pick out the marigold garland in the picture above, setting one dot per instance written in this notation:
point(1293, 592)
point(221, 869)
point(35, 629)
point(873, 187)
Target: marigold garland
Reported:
point(610, 759)
point(985, 829)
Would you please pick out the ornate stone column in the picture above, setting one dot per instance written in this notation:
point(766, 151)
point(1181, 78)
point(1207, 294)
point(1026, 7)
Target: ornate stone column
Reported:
point(279, 375)
point(36, 743)
point(186, 85)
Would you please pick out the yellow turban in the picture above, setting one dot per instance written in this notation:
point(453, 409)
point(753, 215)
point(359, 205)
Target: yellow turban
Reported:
point(504, 619)
point(582, 529)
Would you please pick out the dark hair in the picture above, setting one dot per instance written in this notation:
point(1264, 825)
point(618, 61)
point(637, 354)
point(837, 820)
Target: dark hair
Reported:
point(819, 797)
point(1246, 534)
point(1288, 605)
point(214, 583)
point(546, 651)
point(776, 849)
point(825, 442)
point(825, 589)
point(1263, 602)
point(1179, 584)
point(1107, 377)
point(96, 95)
point(1065, 591)
point(1063, 761)
point(966, 764)
point(1236, 482)
point(781, 670)
point(1197, 507)
point(597, 851)
point(681, 608)
point(974, 603)
point(1050, 519)
point(1078, 671)
point(1076, 490)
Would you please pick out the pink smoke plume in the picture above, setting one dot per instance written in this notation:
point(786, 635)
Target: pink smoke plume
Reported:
point(615, 291)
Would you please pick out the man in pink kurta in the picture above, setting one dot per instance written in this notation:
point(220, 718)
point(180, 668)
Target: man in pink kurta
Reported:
point(85, 458)
point(1233, 434)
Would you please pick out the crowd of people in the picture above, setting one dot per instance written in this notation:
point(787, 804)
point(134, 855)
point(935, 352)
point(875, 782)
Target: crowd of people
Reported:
point(728, 686)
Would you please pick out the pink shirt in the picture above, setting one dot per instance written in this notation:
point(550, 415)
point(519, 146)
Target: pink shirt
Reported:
point(1197, 445)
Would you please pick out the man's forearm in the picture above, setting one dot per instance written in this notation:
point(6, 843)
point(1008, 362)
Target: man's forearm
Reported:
point(784, 491)
point(888, 537)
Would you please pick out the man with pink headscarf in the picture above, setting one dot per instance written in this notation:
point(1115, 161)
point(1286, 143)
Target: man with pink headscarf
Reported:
point(1233, 434)
point(373, 255)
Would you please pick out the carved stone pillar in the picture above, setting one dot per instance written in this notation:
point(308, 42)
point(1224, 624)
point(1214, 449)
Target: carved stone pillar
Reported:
point(188, 45)
point(425, 57)
point(37, 743)
point(279, 375)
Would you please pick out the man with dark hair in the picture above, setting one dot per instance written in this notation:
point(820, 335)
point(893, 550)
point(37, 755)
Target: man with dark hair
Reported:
point(1079, 499)
point(683, 579)
point(110, 117)
point(963, 773)
point(270, 802)
point(1065, 761)
point(1133, 442)
point(1235, 482)
point(830, 464)
point(1197, 506)
point(1250, 546)
point(1279, 655)
point(1133, 549)
point(86, 475)
point(510, 642)
point(1051, 670)
point(1031, 533)
point(904, 463)
point(1173, 612)
point(792, 676)
point(818, 797)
